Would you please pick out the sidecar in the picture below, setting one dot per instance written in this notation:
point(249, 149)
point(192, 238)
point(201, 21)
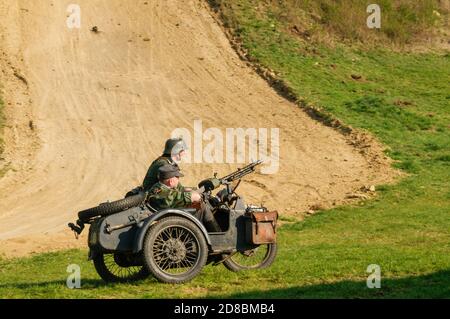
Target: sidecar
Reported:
point(173, 245)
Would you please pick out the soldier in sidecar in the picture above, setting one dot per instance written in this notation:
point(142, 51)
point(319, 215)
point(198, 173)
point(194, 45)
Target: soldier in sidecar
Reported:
point(130, 239)
point(168, 193)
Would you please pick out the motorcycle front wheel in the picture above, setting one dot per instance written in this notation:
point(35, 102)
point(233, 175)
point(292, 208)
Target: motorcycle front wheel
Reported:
point(258, 258)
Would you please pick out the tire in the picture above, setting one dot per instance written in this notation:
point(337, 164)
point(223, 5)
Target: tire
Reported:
point(187, 245)
point(129, 194)
point(108, 269)
point(240, 261)
point(106, 209)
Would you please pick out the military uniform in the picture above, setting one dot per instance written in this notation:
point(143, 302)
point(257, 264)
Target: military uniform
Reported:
point(151, 178)
point(161, 196)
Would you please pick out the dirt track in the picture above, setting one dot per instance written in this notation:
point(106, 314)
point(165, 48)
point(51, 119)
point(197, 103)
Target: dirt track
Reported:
point(102, 105)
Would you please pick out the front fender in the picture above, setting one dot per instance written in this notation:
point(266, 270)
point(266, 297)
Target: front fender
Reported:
point(140, 234)
point(92, 254)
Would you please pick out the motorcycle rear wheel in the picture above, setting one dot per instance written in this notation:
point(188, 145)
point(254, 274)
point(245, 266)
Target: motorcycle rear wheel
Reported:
point(109, 269)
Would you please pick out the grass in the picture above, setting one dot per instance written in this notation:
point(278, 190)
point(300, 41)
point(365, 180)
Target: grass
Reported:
point(403, 99)
point(402, 21)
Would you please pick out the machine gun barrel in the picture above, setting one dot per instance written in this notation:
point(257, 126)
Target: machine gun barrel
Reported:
point(241, 172)
point(212, 183)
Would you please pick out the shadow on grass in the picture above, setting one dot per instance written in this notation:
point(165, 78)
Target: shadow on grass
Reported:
point(434, 285)
point(86, 284)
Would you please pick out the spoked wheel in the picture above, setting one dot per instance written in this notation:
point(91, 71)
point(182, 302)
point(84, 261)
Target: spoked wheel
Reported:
point(175, 250)
point(257, 258)
point(118, 268)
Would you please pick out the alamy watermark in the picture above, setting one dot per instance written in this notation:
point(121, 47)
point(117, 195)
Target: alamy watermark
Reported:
point(74, 18)
point(374, 19)
point(374, 279)
point(233, 145)
point(74, 279)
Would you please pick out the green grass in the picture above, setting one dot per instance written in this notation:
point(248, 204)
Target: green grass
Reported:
point(404, 100)
point(402, 21)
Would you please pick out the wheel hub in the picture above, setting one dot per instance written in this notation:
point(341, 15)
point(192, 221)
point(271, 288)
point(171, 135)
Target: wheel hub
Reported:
point(175, 250)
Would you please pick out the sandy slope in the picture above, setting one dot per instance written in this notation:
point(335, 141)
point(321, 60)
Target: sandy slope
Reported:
point(102, 105)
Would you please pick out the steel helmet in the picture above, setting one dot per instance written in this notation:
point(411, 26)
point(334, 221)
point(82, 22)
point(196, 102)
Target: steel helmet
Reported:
point(174, 146)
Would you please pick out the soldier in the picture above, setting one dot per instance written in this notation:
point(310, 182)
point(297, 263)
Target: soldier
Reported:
point(168, 193)
point(174, 149)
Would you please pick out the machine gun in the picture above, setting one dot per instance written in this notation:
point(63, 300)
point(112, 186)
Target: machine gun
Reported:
point(241, 172)
point(212, 183)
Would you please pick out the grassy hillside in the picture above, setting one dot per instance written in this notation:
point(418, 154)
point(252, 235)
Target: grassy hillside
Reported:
point(403, 99)
point(403, 21)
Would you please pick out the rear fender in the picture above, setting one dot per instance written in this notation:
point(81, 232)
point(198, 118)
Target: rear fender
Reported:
point(140, 234)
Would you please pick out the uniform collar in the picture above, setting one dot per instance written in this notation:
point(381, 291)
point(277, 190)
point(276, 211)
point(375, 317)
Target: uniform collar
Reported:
point(164, 186)
point(172, 162)
point(169, 159)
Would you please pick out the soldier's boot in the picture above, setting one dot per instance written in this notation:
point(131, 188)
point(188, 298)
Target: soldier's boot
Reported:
point(212, 225)
point(209, 220)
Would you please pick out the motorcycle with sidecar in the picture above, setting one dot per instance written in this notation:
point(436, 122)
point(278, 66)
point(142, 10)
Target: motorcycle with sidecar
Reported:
point(129, 240)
